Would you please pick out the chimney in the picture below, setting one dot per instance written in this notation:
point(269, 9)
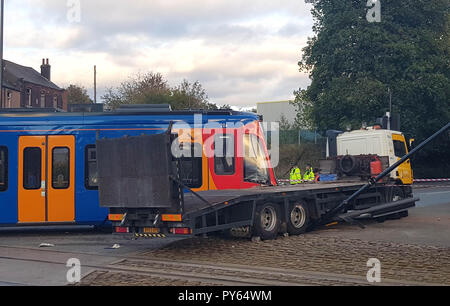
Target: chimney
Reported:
point(46, 69)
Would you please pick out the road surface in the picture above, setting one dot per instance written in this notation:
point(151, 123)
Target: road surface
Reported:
point(413, 250)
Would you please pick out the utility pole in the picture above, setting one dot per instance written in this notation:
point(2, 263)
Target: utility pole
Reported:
point(389, 114)
point(95, 84)
point(2, 6)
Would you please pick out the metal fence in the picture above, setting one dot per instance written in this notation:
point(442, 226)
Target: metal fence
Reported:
point(299, 137)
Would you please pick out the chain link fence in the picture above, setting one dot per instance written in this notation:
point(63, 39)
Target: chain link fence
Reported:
point(299, 147)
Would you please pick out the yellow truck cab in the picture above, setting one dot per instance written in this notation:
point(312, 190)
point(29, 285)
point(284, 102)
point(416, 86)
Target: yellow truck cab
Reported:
point(381, 142)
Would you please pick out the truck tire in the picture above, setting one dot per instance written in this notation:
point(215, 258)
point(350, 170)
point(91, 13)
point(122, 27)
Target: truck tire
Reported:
point(298, 219)
point(267, 221)
point(348, 164)
point(397, 194)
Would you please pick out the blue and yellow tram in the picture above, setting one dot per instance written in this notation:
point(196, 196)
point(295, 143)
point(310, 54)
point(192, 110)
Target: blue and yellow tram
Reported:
point(48, 167)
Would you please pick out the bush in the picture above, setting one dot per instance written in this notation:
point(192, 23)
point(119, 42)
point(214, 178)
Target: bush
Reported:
point(300, 155)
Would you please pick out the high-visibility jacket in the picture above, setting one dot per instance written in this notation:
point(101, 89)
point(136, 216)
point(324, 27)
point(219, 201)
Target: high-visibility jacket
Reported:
point(309, 175)
point(295, 176)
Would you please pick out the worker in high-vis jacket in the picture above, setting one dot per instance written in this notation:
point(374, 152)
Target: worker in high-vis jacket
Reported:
point(309, 175)
point(295, 177)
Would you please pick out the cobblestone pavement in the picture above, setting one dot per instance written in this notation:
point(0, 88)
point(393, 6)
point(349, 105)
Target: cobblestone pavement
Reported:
point(109, 278)
point(310, 259)
point(313, 252)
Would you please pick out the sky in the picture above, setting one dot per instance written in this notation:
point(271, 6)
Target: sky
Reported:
point(241, 51)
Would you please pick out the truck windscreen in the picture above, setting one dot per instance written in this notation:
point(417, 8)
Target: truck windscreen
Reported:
point(399, 148)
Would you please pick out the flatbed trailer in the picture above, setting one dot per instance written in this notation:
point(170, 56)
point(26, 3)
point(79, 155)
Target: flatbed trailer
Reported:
point(268, 211)
point(147, 199)
point(146, 196)
point(240, 208)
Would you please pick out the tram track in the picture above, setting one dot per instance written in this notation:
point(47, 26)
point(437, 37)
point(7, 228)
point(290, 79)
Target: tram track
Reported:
point(132, 270)
point(206, 274)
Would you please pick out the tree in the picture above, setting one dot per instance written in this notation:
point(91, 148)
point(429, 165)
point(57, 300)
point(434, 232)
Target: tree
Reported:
point(78, 95)
point(353, 62)
point(228, 107)
point(190, 96)
point(285, 125)
point(152, 88)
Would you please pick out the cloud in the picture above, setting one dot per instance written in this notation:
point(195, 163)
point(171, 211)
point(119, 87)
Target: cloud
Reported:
point(241, 51)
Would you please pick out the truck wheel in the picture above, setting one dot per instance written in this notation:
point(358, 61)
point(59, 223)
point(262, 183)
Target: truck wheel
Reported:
point(397, 194)
point(298, 219)
point(267, 221)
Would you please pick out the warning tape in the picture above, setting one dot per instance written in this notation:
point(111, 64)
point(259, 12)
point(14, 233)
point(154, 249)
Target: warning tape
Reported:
point(415, 180)
point(432, 180)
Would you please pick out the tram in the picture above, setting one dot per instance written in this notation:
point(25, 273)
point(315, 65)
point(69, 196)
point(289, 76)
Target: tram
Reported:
point(48, 163)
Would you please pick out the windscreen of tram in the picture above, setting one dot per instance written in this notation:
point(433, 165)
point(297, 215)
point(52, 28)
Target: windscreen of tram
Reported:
point(255, 162)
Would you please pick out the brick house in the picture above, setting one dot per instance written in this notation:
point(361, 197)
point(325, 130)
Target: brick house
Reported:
point(24, 87)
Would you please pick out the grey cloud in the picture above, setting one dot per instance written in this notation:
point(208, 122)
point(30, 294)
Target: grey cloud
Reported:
point(296, 28)
point(244, 71)
point(168, 19)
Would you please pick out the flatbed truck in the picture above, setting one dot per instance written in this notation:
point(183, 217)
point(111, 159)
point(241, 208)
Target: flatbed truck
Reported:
point(148, 198)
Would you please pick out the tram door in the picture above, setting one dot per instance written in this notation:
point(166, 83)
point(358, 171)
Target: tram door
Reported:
point(46, 189)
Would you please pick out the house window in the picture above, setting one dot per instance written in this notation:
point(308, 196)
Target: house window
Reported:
point(29, 101)
point(55, 101)
point(42, 99)
point(8, 98)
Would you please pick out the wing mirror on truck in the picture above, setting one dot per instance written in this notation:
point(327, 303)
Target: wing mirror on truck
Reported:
point(411, 143)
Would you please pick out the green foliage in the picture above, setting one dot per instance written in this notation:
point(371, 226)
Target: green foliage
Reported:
point(190, 96)
point(302, 155)
point(285, 125)
point(353, 62)
point(78, 95)
point(152, 88)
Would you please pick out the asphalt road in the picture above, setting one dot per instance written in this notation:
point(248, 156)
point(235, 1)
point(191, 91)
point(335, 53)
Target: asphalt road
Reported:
point(433, 195)
point(428, 223)
point(23, 262)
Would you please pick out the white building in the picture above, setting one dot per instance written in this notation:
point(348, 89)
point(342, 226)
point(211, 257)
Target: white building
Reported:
point(274, 111)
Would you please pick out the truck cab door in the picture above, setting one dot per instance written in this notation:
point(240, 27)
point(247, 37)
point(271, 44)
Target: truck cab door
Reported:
point(404, 171)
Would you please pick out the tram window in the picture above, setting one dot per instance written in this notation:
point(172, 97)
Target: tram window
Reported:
point(60, 168)
point(191, 168)
point(91, 171)
point(224, 156)
point(32, 166)
point(3, 168)
point(255, 163)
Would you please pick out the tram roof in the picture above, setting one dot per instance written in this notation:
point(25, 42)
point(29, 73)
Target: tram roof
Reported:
point(46, 116)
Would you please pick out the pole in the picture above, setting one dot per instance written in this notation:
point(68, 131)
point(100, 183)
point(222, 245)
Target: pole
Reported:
point(2, 6)
point(95, 84)
point(390, 109)
point(390, 100)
